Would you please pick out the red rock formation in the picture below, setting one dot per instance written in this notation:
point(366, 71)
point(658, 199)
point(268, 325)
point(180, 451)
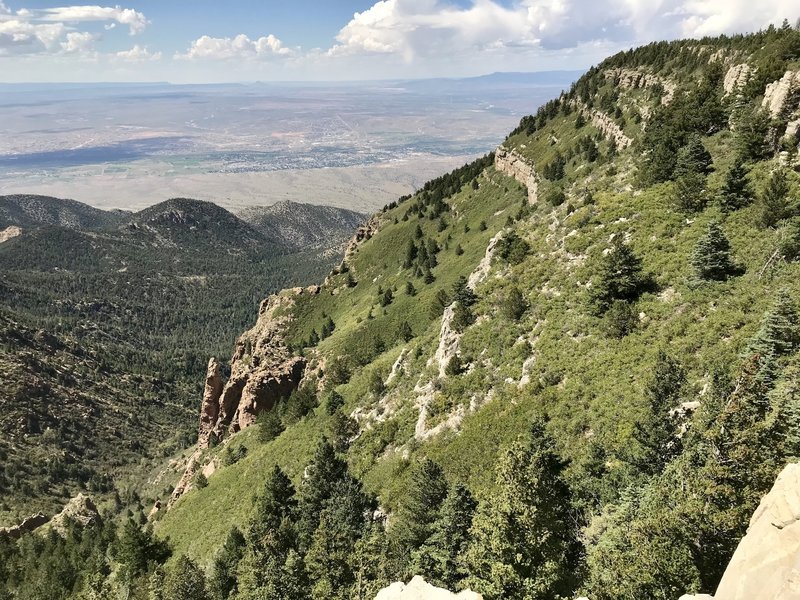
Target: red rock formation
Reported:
point(209, 409)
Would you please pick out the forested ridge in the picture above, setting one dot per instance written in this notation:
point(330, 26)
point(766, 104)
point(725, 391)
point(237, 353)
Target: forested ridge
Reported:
point(587, 394)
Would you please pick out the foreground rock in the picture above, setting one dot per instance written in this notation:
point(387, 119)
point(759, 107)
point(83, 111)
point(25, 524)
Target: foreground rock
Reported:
point(766, 563)
point(419, 589)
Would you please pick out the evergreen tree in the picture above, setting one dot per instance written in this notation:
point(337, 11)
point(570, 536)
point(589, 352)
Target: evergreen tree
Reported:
point(693, 158)
point(420, 506)
point(619, 276)
point(440, 557)
point(735, 193)
point(711, 258)
point(514, 304)
point(751, 131)
point(371, 562)
point(185, 581)
point(689, 192)
point(222, 582)
point(780, 333)
point(137, 548)
point(341, 524)
point(323, 474)
point(656, 432)
point(773, 206)
point(523, 537)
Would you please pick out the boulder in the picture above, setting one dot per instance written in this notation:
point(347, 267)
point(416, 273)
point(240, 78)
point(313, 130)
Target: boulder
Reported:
point(81, 509)
point(419, 589)
point(766, 563)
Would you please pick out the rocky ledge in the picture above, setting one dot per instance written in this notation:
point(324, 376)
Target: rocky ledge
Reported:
point(419, 589)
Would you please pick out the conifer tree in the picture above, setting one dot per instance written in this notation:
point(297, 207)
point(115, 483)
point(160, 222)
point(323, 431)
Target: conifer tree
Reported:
point(780, 333)
point(222, 582)
point(619, 276)
point(773, 206)
point(185, 581)
point(324, 472)
point(735, 193)
point(751, 131)
point(514, 304)
point(657, 432)
point(689, 192)
point(523, 537)
point(420, 507)
point(693, 158)
point(440, 557)
point(711, 258)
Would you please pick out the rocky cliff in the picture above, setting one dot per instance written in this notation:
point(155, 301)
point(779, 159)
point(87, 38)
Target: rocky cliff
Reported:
point(512, 164)
point(419, 589)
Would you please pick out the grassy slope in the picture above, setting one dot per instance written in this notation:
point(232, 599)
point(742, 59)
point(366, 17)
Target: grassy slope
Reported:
point(589, 385)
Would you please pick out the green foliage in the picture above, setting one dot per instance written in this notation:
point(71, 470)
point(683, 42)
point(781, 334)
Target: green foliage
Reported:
point(555, 196)
point(512, 248)
point(711, 258)
point(620, 319)
point(619, 276)
point(780, 331)
point(185, 581)
point(735, 193)
point(689, 192)
point(137, 550)
point(222, 583)
point(772, 202)
point(513, 304)
point(523, 538)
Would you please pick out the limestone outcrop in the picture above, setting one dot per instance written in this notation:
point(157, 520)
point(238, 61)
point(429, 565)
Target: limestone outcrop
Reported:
point(419, 589)
point(629, 79)
point(781, 96)
point(510, 163)
point(610, 129)
point(766, 563)
point(736, 77)
point(27, 525)
point(362, 234)
point(9, 232)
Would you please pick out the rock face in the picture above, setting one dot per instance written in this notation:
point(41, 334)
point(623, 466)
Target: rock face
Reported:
point(263, 369)
point(512, 164)
point(766, 563)
point(781, 96)
point(27, 525)
point(736, 77)
point(362, 234)
point(80, 509)
point(610, 129)
point(419, 589)
point(632, 79)
point(209, 409)
point(9, 232)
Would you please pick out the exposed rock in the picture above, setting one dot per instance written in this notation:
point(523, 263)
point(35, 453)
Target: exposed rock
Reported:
point(185, 482)
point(778, 93)
point(512, 164)
point(154, 511)
point(736, 77)
point(629, 79)
point(610, 129)
point(766, 563)
point(9, 232)
point(209, 409)
point(27, 525)
point(419, 589)
point(263, 369)
point(362, 234)
point(482, 270)
point(80, 510)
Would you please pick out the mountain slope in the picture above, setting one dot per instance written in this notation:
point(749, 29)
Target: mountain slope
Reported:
point(621, 260)
point(30, 211)
point(146, 302)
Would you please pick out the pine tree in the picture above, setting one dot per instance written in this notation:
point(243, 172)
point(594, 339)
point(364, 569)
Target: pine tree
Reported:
point(689, 192)
point(419, 509)
point(711, 258)
point(735, 193)
point(656, 432)
point(440, 557)
point(693, 158)
point(322, 475)
point(411, 254)
point(751, 131)
point(523, 537)
point(780, 333)
point(619, 276)
point(341, 524)
point(222, 582)
point(185, 581)
point(773, 206)
point(514, 304)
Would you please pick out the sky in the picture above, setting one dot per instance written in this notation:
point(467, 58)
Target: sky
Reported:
point(208, 41)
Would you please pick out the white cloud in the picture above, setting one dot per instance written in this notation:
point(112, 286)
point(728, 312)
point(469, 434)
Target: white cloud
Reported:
point(426, 28)
point(135, 21)
point(78, 42)
point(239, 47)
point(21, 37)
point(137, 54)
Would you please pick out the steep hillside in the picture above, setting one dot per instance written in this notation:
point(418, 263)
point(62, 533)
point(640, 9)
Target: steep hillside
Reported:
point(146, 301)
point(593, 332)
point(30, 211)
point(303, 226)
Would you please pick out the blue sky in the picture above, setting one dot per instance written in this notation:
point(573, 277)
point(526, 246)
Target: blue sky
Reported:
point(246, 40)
